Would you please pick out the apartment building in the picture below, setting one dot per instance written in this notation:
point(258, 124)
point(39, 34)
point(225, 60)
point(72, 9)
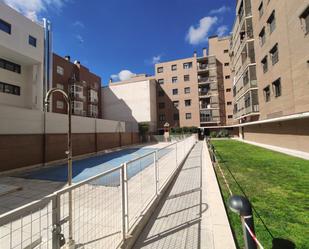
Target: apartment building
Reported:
point(83, 86)
point(133, 101)
point(21, 60)
point(188, 92)
point(243, 64)
point(219, 47)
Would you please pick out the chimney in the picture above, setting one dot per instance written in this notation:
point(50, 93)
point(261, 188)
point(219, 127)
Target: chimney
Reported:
point(204, 52)
point(77, 63)
point(194, 54)
point(67, 57)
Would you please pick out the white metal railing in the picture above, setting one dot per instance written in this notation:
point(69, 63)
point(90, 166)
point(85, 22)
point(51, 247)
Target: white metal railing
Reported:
point(105, 207)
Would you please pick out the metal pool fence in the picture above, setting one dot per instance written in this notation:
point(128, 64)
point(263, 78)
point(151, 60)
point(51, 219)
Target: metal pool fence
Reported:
point(105, 208)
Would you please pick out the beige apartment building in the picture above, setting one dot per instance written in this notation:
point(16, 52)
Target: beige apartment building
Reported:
point(270, 65)
point(191, 92)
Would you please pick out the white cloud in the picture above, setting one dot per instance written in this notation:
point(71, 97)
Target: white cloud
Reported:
point(221, 31)
point(33, 8)
point(156, 59)
point(221, 10)
point(123, 75)
point(79, 24)
point(80, 38)
point(199, 34)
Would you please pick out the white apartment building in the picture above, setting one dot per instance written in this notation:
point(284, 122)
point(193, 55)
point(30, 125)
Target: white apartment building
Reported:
point(133, 100)
point(21, 60)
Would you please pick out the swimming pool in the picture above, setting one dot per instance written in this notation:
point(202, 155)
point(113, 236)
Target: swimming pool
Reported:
point(85, 168)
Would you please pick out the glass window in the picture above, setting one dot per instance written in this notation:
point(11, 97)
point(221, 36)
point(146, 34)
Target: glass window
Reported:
point(230, 116)
point(265, 64)
point(188, 102)
point(174, 67)
point(227, 77)
point(267, 93)
point(161, 81)
point(10, 89)
point(277, 87)
point(176, 116)
point(60, 86)
point(262, 37)
point(229, 103)
point(162, 117)
point(187, 65)
point(59, 104)
point(274, 53)
point(10, 66)
point(161, 105)
point(187, 89)
point(261, 10)
point(32, 41)
point(188, 116)
point(226, 64)
point(176, 103)
point(160, 69)
point(228, 90)
point(272, 22)
point(174, 79)
point(4, 26)
point(225, 51)
point(175, 91)
point(60, 70)
point(305, 20)
point(186, 77)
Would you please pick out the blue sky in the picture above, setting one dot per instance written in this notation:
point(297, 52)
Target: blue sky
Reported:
point(111, 36)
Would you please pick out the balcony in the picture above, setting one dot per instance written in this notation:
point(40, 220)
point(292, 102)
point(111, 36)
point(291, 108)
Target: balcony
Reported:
point(209, 119)
point(205, 67)
point(93, 100)
point(77, 96)
point(252, 109)
point(207, 80)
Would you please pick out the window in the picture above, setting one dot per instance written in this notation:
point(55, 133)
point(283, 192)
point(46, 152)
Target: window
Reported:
point(188, 102)
point(267, 93)
point(304, 17)
point(60, 86)
point(186, 77)
point(174, 79)
point(10, 89)
point(277, 87)
point(187, 65)
point(160, 69)
point(161, 93)
point(4, 26)
point(174, 67)
point(227, 77)
point(175, 91)
point(176, 103)
point(176, 116)
point(272, 22)
point(59, 104)
point(230, 116)
point(274, 53)
point(229, 103)
point(32, 41)
point(161, 81)
point(187, 90)
point(265, 64)
point(60, 70)
point(226, 64)
point(261, 10)
point(228, 90)
point(10, 66)
point(188, 115)
point(162, 117)
point(262, 37)
point(161, 105)
point(225, 51)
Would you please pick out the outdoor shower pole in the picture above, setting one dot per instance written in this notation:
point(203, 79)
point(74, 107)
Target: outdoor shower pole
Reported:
point(70, 243)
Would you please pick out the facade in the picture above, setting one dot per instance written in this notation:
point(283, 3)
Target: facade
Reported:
point(21, 60)
point(83, 85)
point(243, 64)
point(133, 101)
point(219, 47)
point(190, 91)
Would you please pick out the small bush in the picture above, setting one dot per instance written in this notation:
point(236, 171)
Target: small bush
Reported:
point(223, 133)
point(213, 134)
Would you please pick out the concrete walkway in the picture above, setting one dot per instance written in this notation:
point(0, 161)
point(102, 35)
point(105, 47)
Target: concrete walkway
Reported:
point(191, 214)
point(290, 152)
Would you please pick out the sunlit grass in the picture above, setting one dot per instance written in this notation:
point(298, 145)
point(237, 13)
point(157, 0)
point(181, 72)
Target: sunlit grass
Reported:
point(277, 186)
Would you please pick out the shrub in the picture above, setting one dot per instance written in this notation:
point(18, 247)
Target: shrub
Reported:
point(213, 134)
point(223, 133)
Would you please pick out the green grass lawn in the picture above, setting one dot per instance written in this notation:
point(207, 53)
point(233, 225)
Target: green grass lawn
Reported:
point(277, 186)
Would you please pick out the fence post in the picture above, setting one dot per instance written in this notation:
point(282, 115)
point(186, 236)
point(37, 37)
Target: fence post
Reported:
point(242, 206)
point(56, 231)
point(124, 194)
point(155, 159)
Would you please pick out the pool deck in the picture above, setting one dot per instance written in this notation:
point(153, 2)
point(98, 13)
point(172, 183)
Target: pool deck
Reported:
point(192, 213)
point(30, 190)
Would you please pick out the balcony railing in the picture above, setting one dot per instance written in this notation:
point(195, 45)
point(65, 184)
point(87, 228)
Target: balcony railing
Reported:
point(209, 119)
point(209, 106)
point(207, 79)
point(247, 110)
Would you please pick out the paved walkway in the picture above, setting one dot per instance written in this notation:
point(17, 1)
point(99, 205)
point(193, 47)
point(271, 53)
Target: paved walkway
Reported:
point(192, 214)
point(296, 153)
